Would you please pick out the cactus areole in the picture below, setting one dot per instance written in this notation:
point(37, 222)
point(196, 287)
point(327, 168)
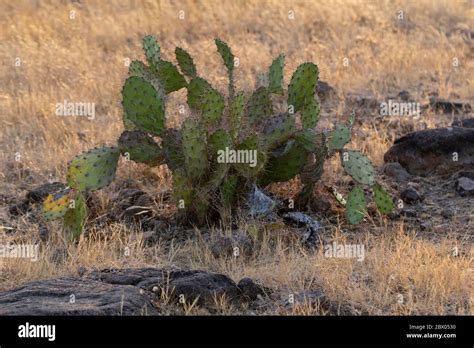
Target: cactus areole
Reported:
point(228, 143)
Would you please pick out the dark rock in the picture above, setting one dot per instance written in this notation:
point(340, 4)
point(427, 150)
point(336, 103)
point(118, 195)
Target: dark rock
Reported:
point(408, 212)
point(249, 289)
point(411, 195)
point(192, 284)
point(396, 171)
point(465, 187)
point(447, 213)
point(52, 297)
point(39, 193)
point(324, 90)
point(206, 287)
point(122, 292)
point(449, 106)
point(425, 225)
point(467, 123)
point(432, 151)
point(404, 95)
point(224, 246)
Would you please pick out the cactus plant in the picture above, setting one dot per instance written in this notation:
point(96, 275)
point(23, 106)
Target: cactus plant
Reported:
point(238, 124)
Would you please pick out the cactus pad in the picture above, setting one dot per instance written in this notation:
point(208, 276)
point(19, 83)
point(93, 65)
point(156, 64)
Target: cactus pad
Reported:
point(285, 162)
point(56, 206)
point(339, 137)
point(152, 50)
point(278, 129)
point(229, 189)
point(259, 106)
point(172, 149)
point(226, 54)
point(182, 188)
point(382, 199)
point(170, 77)
point(356, 205)
point(143, 105)
point(275, 75)
point(140, 147)
point(251, 143)
point(212, 107)
point(310, 114)
point(197, 91)
point(237, 110)
point(93, 169)
point(194, 149)
point(75, 219)
point(137, 68)
point(185, 62)
point(302, 85)
point(358, 166)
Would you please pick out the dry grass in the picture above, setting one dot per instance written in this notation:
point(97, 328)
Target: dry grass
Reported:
point(82, 59)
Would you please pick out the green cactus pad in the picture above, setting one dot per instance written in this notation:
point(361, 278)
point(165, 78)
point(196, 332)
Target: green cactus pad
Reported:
point(226, 54)
point(56, 206)
point(94, 169)
point(285, 162)
point(310, 114)
point(141, 148)
point(182, 188)
point(198, 88)
point(356, 206)
point(219, 140)
point(339, 137)
point(143, 105)
point(302, 85)
point(358, 166)
point(275, 75)
point(152, 50)
point(137, 68)
point(172, 149)
point(185, 62)
point(278, 129)
point(170, 77)
point(251, 143)
point(75, 219)
point(259, 106)
point(229, 190)
point(213, 107)
point(236, 114)
point(194, 149)
point(382, 199)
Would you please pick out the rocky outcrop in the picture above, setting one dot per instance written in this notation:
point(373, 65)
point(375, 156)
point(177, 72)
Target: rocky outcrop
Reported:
point(434, 151)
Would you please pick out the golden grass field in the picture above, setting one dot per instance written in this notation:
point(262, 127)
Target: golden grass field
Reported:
point(83, 59)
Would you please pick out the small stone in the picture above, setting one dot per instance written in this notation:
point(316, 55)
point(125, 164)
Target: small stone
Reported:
point(425, 225)
point(408, 212)
point(250, 290)
point(411, 196)
point(465, 187)
point(447, 214)
point(396, 171)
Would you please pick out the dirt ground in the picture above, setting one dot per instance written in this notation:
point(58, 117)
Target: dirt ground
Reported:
point(367, 51)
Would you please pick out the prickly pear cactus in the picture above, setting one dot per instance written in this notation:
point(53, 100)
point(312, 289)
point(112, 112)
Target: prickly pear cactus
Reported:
point(225, 146)
point(356, 206)
point(93, 169)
